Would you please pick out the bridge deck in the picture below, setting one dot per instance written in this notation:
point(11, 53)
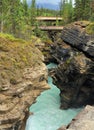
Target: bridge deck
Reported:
point(52, 28)
point(48, 18)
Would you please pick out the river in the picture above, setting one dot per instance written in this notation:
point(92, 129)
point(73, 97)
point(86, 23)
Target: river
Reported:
point(47, 114)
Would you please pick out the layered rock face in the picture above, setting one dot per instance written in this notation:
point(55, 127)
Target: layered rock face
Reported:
point(74, 75)
point(44, 47)
point(23, 77)
point(78, 38)
point(83, 121)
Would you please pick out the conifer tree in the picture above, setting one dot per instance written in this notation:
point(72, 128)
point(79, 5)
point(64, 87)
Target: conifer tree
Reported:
point(3, 14)
point(66, 10)
point(82, 9)
point(33, 12)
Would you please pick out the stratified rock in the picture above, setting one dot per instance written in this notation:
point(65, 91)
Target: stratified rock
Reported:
point(60, 51)
point(23, 77)
point(75, 79)
point(44, 47)
point(78, 38)
point(83, 121)
point(74, 75)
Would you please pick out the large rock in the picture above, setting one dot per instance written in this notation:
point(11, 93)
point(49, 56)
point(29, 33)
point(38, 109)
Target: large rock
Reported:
point(77, 37)
point(74, 75)
point(60, 51)
point(83, 121)
point(23, 77)
point(75, 79)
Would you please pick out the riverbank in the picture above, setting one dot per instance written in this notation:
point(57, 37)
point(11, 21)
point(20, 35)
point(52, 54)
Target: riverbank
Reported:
point(46, 111)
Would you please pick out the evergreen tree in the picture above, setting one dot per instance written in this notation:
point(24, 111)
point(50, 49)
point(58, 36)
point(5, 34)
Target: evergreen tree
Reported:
point(82, 9)
point(70, 17)
point(14, 15)
point(86, 9)
point(3, 14)
point(61, 6)
point(92, 10)
point(66, 10)
point(78, 12)
point(25, 8)
point(33, 12)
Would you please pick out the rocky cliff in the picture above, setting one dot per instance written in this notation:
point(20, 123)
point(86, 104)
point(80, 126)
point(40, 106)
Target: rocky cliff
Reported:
point(44, 47)
point(23, 77)
point(83, 121)
point(77, 37)
point(74, 75)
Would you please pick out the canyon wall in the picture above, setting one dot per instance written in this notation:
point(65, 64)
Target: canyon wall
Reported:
point(23, 76)
point(74, 76)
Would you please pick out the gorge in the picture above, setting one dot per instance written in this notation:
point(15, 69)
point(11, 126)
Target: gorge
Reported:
point(46, 111)
point(24, 76)
point(74, 76)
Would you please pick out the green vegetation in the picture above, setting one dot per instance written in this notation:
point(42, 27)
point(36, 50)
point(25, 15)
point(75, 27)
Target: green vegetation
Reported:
point(66, 11)
point(90, 28)
point(15, 55)
point(19, 19)
point(84, 10)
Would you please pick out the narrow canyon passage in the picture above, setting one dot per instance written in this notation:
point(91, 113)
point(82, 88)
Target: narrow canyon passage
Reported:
point(47, 115)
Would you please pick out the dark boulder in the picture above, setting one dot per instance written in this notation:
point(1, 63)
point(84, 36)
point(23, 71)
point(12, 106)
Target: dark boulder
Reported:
point(75, 79)
point(77, 38)
point(74, 75)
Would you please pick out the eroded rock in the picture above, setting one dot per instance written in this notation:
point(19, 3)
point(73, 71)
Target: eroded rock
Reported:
point(23, 76)
point(77, 37)
point(74, 75)
point(75, 79)
point(83, 121)
point(44, 47)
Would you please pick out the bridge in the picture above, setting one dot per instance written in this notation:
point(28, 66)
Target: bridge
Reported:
point(50, 19)
point(51, 28)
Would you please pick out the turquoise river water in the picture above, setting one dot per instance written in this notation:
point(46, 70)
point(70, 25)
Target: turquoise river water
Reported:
point(47, 115)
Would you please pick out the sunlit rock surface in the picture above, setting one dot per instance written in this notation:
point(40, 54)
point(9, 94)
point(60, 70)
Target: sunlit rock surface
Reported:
point(83, 121)
point(23, 77)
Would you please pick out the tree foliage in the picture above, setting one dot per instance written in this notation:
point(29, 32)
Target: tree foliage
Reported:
point(66, 10)
point(18, 18)
point(84, 9)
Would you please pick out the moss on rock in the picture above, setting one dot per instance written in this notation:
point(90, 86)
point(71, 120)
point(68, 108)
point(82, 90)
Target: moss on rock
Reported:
point(90, 28)
point(16, 55)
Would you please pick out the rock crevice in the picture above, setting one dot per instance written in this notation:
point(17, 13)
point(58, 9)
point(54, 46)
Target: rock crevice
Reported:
point(74, 75)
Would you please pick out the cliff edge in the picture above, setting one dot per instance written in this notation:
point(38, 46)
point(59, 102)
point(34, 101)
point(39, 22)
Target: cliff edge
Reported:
point(23, 76)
